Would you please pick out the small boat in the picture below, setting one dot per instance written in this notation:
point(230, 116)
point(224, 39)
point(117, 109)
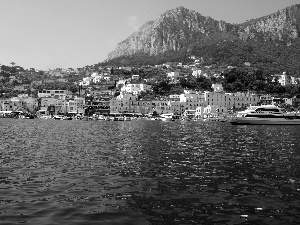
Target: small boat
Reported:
point(101, 117)
point(67, 118)
point(45, 117)
point(127, 118)
point(167, 117)
point(265, 115)
point(58, 117)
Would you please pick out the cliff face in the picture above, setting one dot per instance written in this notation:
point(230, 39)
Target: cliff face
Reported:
point(184, 28)
point(283, 25)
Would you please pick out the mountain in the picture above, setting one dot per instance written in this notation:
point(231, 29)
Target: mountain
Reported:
point(173, 30)
point(182, 28)
point(270, 41)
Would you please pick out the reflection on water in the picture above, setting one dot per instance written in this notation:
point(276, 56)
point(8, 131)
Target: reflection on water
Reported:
point(148, 172)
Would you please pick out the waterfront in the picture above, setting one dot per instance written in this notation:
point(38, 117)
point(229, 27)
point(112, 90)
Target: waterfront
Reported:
point(148, 172)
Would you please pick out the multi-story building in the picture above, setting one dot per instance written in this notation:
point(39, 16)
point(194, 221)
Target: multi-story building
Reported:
point(141, 106)
point(190, 100)
point(196, 72)
point(31, 103)
point(285, 79)
point(53, 93)
point(76, 105)
point(57, 106)
point(97, 105)
point(243, 100)
point(230, 100)
point(162, 106)
point(6, 105)
point(119, 105)
point(265, 99)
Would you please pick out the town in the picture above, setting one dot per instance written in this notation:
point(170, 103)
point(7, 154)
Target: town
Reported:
point(110, 90)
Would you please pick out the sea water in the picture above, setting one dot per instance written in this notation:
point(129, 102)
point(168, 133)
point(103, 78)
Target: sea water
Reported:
point(148, 172)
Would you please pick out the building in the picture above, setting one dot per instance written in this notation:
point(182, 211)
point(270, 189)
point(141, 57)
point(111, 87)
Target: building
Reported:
point(285, 79)
point(52, 93)
point(217, 87)
point(141, 106)
point(119, 105)
point(162, 106)
point(215, 110)
point(135, 88)
point(230, 100)
point(173, 75)
point(196, 72)
point(135, 77)
point(190, 100)
point(86, 81)
point(6, 105)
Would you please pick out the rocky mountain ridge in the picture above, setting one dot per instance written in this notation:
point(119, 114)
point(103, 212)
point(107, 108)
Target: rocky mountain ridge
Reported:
point(182, 28)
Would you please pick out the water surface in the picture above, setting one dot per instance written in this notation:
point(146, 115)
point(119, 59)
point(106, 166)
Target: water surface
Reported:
point(148, 172)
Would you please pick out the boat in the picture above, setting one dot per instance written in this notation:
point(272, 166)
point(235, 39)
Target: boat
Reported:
point(67, 118)
point(167, 117)
point(45, 117)
point(265, 115)
point(58, 117)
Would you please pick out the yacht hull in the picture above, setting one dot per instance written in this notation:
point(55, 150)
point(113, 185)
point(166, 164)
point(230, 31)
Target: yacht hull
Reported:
point(258, 121)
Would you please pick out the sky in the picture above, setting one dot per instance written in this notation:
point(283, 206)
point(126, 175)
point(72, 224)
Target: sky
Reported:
point(49, 34)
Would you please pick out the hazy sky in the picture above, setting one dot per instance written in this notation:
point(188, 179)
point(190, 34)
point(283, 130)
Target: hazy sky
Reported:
point(47, 34)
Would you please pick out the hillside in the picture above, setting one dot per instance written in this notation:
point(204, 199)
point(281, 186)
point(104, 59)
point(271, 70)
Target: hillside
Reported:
point(270, 41)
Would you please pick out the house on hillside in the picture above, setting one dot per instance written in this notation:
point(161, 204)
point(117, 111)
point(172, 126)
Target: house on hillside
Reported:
point(285, 79)
point(135, 77)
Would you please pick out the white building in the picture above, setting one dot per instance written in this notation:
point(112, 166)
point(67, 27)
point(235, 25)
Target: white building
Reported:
point(97, 79)
point(135, 77)
point(136, 88)
point(173, 75)
point(86, 81)
point(285, 79)
point(174, 98)
point(196, 72)
point(217, 87)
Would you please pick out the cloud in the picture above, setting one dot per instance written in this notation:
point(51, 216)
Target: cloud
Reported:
point(132, 22)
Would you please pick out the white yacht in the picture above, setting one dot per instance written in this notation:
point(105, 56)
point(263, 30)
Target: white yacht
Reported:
point(265, 115)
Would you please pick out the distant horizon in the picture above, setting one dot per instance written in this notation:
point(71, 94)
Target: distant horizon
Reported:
point(50, 34)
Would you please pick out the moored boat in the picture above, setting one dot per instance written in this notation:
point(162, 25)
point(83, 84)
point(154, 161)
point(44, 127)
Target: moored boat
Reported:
point(168, 117)
point(265, 115)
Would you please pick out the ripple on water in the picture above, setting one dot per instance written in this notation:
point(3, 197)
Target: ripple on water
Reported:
point(147, 172)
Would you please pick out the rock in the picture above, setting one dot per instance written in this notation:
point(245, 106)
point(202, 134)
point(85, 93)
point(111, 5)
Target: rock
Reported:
point(183, 28)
